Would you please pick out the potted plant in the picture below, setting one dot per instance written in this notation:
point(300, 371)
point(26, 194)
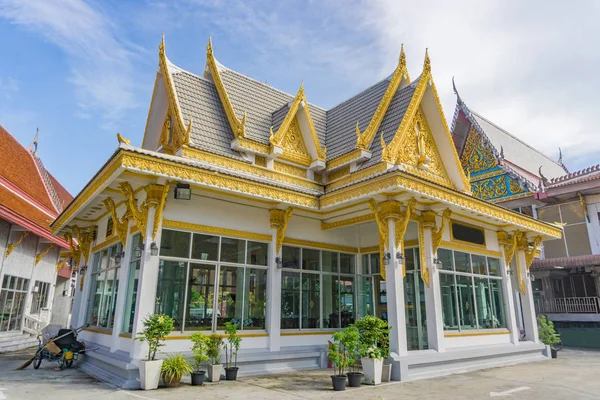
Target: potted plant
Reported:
point(200, 352)
point(337, 355)
point(372, 331)
point(214, 353)
point(156, 329)
point(350, 339)
point(548, 335)
point(386, 374)
point(173, 369)
point(231, 351)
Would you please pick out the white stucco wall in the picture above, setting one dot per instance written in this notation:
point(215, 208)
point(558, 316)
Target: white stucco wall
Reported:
point(465, 341)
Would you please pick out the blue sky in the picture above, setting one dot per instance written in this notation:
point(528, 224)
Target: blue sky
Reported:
point(82, 71)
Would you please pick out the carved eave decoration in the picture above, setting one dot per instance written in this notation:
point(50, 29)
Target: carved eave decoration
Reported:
point(85, 237)
point(401, 226)
point(120, 224)
point(12, 246)
point(364, 139)
point(289, 142)
point(413, 146)
point(383, 234)
point(156, 197)
point(174, 134)
point(238, 126)
point(41, 255)
point(279, 221)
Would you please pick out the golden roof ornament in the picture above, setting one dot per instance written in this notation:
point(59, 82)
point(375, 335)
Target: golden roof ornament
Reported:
point(427, 63)
point(122, 140)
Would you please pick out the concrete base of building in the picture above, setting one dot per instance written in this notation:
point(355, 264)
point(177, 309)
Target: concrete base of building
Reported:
point(117, 368)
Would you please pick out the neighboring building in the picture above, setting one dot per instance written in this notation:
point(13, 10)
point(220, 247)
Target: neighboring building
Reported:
point(233, 210)
point(36, 287)
point(510, 173)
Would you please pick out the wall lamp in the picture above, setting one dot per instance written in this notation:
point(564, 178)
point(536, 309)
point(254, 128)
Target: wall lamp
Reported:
point(437, 262)
point(183, 191)
point(386, 258)
point(137, 252)
point(279, 262)
point(400, 257)
point(153, 249)
point(119, 257)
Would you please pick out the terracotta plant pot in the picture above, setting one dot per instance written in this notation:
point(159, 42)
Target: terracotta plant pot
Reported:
point(174, 382)
point(339, 382)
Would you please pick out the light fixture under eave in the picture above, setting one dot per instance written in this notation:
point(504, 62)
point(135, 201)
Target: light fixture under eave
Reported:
point(437, 262)
point(386, 258)
point(400, 257)
point(183, 191)
point(153, 249)
point(559, 267)
point(119, 257)
point(137, 252)
point(279, 262)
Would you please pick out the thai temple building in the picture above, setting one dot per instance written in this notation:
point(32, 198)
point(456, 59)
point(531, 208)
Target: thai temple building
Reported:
point(35, 281)
point(508, 172)
point(247, 204)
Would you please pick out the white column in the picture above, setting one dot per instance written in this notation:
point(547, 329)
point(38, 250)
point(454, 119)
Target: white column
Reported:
point(121, 294)
point(82, 295)
point(527, 304)
point(146, 296)
point(273, 320)
point(395, 296)
point(433, 298)
point(507, 293)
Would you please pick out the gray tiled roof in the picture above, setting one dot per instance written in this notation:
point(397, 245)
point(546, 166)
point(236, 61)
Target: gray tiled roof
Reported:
point(266, 106)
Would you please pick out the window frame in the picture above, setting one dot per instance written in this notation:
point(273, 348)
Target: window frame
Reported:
point(111, 250)
point(39, 298)
point(189, 260)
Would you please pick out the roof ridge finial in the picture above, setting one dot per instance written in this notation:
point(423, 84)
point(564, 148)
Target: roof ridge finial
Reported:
point(402, 58)
point(456, 91)
point(34, 144)
point(161, 46)
point(560, 161)
point(209, 48)
point(427, 63)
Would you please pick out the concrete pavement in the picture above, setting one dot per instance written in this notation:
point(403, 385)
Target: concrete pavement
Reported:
point(573, 376)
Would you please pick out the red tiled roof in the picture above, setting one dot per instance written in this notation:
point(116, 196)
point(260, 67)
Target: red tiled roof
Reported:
point(64, 196)
point(14, 203)
point(566, 262)
point(583, 175)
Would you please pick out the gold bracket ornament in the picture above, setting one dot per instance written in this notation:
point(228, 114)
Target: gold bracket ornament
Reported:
point(510, 245)
point(437, 233)
point(75, 251)
point(43, 254)
point(401, 226)
point(60, 264)
point(423, 256)
point(383, 235)
point(121, 224)
point(156, 196)
point(85, 237)
point(522, 245)
point(531, 252)
point(12, 246)
point(279, 220)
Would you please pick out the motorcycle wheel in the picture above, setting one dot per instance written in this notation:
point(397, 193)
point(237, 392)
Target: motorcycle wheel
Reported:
point(38, 361)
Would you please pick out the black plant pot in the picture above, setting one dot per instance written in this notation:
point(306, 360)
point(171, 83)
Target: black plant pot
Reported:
point(354, 379)
point(231, 373)
point(339, 382)
point(554, 353)
point(198, 378)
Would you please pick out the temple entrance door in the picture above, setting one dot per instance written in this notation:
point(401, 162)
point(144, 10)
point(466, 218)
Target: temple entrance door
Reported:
point(12, 302)
point(414, 302)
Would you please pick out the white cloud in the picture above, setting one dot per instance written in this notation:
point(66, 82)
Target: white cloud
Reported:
point(100, 63)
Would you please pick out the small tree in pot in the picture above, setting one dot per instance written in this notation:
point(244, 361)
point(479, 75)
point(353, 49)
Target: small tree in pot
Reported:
point(385, 353)
point(200, 351)
point(156, 328)
point(232, 348)
point(349, 338)
point(337, 355)
point(214, 353)
point(173, 369)
point(548, 335)
point(372, 331)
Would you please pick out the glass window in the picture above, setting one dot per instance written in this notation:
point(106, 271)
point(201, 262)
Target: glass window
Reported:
point(40, 293)
point(445, 256)
point(462, 262)
point(494, 267)
point(330, 261)
point(484, 306)
point(233, 250)
point(346, 289)
point(170, 291)
point(365, 295)
point(104, 287)
point(258, 253)
point(499, 319)
point(549, 214)
point(331, 315)
point(466, 303)
point(290, 300)
point(200, 297)
point(479, 266)
point(448, 290)
point(310, 301)
point(290, 257)
point(347, 263)
point(409, 259)
point(578, 243)
point(255, 306)
point(230, 300)
point(572, 213)
point(466, 233)
point(205, 247)
point(555, 248)
point(132, 285)
point(175, 244)
point(310, 259)
point(374, 265)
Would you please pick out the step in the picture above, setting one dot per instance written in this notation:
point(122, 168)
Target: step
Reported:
point(8, 335)
point(18, 343)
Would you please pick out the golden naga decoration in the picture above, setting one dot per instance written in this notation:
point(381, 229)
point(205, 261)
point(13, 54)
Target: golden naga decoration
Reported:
point(423, 256)
point(120, 224)
point(437, 233)
point(43, 254)
point(122, 140)
point(383, 235)
point(509, 243)
point(75, 251)
point(156, 196)
point(237, 126)
point(401, 226)
point(174, 135)
point(279, 220)
point(531, 252)
point(522, 245)
point(85, 237)
point(364, 140)
point(12, 246)
point(290, 126)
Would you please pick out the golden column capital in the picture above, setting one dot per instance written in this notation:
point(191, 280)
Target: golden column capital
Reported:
point(502, 238)
point(278, 220)
point(390, 209)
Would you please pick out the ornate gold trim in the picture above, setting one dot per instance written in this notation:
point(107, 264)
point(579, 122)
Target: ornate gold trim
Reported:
point(423, 256)
point(106, 243)
point(354, 176)
point(383, 231)
point(530, 253)
point(466, 334)
point(470, 249)
point(120, 224)
point(252, 145)
point(289, 169)
point(188, 226)
point(370, 249)
point(279, 221)
point(452, 238)
point(320, 245)
point(41, 255)
point(350, 221)
point(344, 159)
point(12, 246)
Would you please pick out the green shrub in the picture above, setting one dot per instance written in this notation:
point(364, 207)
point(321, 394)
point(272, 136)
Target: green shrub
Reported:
point(156, 328)
point(200, 347)
point(214, 348)
point(174, 367)
point(546, 332)
point(233, 344)
point(374, 337)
